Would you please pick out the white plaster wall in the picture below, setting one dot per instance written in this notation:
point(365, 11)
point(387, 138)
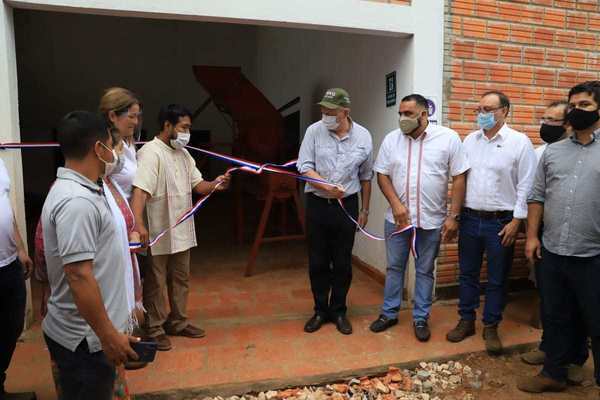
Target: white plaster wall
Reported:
point(9, 119)
point(60, 72)
point(295, 62)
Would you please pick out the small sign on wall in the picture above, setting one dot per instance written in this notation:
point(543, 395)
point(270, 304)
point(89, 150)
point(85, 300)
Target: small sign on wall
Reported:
point(433, 109)
point(390, 89)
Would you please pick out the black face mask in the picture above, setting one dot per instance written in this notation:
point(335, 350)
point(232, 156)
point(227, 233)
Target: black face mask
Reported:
point(582, 119)
point(551, 133)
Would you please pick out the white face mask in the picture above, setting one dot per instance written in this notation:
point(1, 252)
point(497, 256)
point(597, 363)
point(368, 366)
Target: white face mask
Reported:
point(109, 166)
point(117, 166)
point(330, 122)
point(183, 138)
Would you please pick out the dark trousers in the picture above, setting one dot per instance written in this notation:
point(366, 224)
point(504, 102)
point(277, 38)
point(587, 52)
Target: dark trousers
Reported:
point(569, 288)
point(330, 240)
point(83, 375)
point(476, 237)
point(13, 297)
point(579, 348)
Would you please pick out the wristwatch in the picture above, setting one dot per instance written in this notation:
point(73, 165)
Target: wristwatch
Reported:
point(455, 217)
point(363, 211)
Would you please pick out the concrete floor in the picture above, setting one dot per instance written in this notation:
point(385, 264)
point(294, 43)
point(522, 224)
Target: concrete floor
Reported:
point(255, 327)
point(254, 331)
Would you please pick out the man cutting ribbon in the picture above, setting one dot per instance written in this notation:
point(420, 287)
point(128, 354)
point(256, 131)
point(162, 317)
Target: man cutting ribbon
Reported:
point(337, 150)
point(163, 186)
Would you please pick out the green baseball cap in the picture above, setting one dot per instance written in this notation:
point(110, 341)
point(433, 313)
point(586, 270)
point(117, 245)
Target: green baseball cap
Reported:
point(335, 98)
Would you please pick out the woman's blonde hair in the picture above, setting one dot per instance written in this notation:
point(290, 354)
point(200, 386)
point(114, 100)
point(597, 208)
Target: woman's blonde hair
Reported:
point(118, 100)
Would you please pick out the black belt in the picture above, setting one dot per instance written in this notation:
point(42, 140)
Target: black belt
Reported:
point(488, 214)
point(332, 201)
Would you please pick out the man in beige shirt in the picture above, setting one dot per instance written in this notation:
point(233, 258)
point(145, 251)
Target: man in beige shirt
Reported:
point(163, 186)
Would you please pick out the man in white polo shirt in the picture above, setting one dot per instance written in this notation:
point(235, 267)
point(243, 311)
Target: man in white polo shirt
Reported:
point(15, 267)
point(413, 168)
point(502, 170)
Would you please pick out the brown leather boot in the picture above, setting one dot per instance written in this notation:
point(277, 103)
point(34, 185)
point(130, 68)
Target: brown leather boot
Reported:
point(540, 384)
point(463, 330)
point(163, 343)
point(534, 357)
point(493, 345)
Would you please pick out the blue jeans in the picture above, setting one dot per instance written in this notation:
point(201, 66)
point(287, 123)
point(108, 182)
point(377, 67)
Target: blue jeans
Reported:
point(476, 236)
point(397, 250)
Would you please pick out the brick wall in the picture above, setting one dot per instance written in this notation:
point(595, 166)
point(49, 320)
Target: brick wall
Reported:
point(533, 50)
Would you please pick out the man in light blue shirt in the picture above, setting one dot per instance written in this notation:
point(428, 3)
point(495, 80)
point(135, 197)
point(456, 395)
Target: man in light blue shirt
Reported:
point(337, 150)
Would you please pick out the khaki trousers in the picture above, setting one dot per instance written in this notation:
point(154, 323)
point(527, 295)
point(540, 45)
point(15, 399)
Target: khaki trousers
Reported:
point(167, 280)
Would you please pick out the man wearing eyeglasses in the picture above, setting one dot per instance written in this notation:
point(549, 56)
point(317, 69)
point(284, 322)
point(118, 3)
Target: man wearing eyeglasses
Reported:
point(502, 169)
point(565, 193)
point(554, 128)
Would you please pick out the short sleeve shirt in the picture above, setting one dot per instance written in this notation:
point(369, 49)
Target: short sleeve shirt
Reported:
point(168, 176)
point(420, 170)
point(78, 225)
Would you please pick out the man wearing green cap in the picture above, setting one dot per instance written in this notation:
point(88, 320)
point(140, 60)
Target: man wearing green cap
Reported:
point(339, 151)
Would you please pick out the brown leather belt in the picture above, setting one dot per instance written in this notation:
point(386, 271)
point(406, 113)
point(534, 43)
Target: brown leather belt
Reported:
point(488, 214)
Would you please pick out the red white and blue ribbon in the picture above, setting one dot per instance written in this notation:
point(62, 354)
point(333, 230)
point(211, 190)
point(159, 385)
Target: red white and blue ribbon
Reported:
point(241, 165)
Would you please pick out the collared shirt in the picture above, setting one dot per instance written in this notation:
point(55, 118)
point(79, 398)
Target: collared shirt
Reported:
point(8, 246)
point(539, 151)
point(420, 169)
point(345, 161)
point(168, 176)
point(126, 176)
point(567, 182)
point(78, 225)
point(502, 171)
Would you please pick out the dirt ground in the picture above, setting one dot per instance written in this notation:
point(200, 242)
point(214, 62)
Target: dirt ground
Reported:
point(500, 375)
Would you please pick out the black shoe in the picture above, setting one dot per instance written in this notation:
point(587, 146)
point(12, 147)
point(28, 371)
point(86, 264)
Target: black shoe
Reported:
point(315, 323)
point(343, 325)
point(422, 332)
point(382, 323)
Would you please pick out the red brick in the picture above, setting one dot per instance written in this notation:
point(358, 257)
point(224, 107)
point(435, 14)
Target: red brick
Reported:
point(462, 90)
point(521, 33)
point(455, 111)
point(456, 69)
point(456, 24)
point(510, 54)
point(593, 61)
point(544, 77)
point(462, 49)
point(498, 31)
point(522, 74)
point(532, 95)
point(543, 36)
point(486, 8)
point(554, 17)
point(500, 73)
point(551, 94)
point(523, 115)
point(474, 28)
point(519, 13)
point(555, 58)
point(542, 2)
point(577, 20)
point(588, 41)
point(477, 71)
point(587, 76)
point(487, 51)
point(576, 59)
point(565, 39)
point(463, 7)
point(567, 79)
point(533, 56)
point(587, 5)
point(594, 24)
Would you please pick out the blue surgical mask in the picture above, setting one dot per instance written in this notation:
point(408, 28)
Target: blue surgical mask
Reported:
point(486, 121)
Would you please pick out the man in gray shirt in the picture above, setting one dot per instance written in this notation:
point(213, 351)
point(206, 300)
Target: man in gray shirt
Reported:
point(340, 151)
point(87, 310)
point(565, 193)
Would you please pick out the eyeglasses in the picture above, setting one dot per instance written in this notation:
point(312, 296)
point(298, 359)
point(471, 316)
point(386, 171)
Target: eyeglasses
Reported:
point(485, 110)
point(552, 121)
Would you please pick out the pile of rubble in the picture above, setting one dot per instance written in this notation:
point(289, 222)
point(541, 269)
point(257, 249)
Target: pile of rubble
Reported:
point(431, 381)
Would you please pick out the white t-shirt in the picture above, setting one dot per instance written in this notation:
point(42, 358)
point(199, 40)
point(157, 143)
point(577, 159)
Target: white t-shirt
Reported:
point(126, 176)
point(8, 246)
point(539, 151)
point(420, 170)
